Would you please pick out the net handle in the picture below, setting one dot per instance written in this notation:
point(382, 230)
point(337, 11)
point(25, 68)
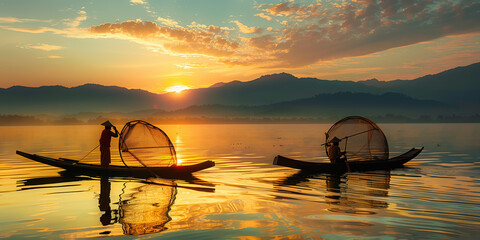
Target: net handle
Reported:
point(121, 142)
point(346, 137)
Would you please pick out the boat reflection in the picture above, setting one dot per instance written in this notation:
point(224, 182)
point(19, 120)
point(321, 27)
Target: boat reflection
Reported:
point(356, 193)
point(41, 182)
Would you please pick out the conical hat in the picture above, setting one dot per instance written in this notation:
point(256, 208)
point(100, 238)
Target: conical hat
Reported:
point(107, 124)
point(334, 140)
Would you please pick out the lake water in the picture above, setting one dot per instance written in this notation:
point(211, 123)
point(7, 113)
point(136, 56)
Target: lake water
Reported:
point(437, 195)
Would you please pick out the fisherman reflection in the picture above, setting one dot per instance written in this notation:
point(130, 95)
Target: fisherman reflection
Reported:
point(343, 190)
point(104, 202)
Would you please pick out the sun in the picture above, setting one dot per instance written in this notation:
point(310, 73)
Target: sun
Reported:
point(177, 88)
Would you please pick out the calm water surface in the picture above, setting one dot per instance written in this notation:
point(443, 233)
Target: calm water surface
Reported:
point(437, 196)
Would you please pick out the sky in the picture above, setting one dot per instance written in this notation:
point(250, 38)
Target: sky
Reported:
point(163, 44)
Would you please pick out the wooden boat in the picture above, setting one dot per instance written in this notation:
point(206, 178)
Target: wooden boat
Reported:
point(119, 171)
point(357, 166)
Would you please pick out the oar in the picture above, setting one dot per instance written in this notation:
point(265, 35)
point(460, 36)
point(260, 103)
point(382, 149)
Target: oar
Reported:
point(89, 152)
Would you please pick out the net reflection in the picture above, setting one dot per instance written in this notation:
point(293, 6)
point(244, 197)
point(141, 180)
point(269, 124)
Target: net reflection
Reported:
point(355, 193)
point(146, 210)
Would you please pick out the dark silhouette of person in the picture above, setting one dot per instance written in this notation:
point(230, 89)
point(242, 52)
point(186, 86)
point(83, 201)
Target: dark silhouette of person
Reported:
point(105, 140)
point(104, 201)
point(334, 152)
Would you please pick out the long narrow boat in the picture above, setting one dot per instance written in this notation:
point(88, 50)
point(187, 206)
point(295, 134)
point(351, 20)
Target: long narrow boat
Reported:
point(119, 171)
point(357, 166)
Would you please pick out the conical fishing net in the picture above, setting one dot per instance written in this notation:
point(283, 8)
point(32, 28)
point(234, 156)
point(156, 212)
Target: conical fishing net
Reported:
point(361, 138)
point(142, 144)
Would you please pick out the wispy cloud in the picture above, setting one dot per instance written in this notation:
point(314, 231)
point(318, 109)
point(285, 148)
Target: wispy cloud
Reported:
point(55, 57)
point(75, 22)
point(245, 29)
point(36, 30)
point(19, 20)
point(44, 47)
point(138, 2)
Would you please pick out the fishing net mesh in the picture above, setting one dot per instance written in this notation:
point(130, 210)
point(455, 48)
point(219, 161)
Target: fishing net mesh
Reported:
point(142, 144)
point(361, 138)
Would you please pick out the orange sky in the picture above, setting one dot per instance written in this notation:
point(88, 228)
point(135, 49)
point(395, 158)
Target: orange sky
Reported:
point(154, 45)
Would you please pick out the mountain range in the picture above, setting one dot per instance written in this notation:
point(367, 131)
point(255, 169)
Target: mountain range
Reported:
point(452, 91)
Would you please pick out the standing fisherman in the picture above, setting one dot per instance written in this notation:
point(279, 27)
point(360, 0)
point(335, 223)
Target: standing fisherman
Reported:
point(105, 139)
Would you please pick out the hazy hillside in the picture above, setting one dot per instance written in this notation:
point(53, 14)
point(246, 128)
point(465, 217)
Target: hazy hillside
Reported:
point(264, 90)
point(62, 100)
point(456, 86)
point(459, 85)
point(344, 103)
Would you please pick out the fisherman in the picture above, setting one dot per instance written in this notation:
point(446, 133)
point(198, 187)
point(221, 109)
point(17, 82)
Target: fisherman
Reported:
point(105, 139)
point(334, 152)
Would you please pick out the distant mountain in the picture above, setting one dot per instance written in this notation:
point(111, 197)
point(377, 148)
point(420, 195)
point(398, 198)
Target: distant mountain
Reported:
point(221, 84)
point(343, 103)
point(459, 85)
point(267, 89)
point(85, 98)
point(455, 87)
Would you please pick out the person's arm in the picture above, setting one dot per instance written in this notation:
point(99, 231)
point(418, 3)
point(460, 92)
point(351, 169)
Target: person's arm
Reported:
point(116, 132)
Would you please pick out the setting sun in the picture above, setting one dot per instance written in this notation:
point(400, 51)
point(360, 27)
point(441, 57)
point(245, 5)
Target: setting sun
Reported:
point(177, 88)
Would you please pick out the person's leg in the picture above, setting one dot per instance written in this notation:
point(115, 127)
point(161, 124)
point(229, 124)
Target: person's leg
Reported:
point(104, 156)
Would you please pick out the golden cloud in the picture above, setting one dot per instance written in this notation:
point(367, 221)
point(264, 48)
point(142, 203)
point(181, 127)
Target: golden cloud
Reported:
point(245, 29)
point(138, 2)
point(179, 40)
point(44, 47)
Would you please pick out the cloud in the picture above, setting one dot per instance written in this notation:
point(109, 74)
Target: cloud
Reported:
point(82, 16)
point(191, 65)
point(55, 57)
point(306, 34)
point(168, 22)
point(282, 9)
point(175, 40)
point(298, 34)
point(245, 29)
point(262, 15)
point(19, 20)
point(318, 32)
point(37, 30)
point(44, 47)
point(138, 2)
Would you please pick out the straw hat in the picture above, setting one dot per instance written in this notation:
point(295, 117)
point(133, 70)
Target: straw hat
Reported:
point(107, 124)
point(334, 140)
